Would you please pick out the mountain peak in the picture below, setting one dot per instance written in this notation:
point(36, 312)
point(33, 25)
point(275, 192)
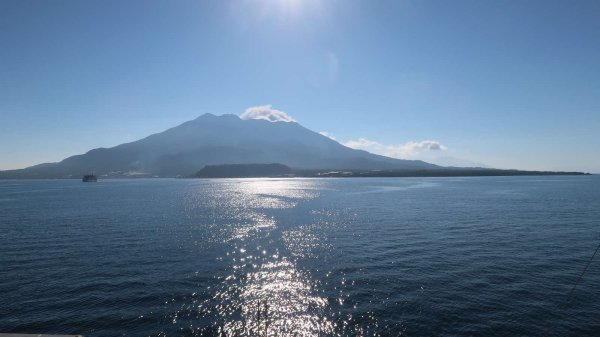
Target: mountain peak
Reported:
point(209, 115)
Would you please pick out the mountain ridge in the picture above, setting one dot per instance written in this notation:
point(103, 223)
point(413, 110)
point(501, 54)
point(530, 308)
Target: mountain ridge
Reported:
point(216, 140)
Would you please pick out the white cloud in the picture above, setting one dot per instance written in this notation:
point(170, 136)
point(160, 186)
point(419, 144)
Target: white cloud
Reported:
point(411, 149)
point(364, 144)
point(430, 151)
point(327, 134)
point(266, 112)
point(408, 150)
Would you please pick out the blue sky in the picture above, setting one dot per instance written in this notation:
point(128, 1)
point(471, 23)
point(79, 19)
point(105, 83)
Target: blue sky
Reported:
point(509, 84)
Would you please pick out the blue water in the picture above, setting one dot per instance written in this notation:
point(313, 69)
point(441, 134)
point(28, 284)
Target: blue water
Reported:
point(482, 256)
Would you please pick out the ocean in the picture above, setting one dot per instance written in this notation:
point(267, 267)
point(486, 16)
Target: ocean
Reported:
point(473, 256)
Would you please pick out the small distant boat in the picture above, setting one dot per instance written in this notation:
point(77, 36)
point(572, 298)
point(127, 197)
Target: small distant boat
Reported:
point(89, 178)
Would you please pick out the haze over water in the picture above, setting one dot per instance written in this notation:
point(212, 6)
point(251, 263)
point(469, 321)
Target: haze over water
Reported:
point(491, 256)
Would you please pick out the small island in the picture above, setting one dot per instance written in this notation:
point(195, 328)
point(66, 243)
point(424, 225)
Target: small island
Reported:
point(244, 171)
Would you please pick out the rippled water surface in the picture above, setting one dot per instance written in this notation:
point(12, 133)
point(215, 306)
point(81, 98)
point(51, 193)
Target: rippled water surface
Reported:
point(492, 256)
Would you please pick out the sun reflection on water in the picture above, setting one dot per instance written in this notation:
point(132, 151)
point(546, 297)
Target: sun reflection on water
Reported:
point(263, 291)
point(264, 294)
point(274, 299)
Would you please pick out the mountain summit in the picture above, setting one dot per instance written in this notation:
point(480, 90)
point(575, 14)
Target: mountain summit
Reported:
point(217, 140)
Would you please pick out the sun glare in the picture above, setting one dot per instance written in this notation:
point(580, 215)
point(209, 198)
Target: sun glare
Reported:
point(288, 6)
point(284, 10)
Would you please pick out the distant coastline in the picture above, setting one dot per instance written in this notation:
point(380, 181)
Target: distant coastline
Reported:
point(277, 170)
point(460, 172)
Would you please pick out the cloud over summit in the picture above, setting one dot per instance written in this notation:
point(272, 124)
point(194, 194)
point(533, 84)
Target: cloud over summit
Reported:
point(266, 112)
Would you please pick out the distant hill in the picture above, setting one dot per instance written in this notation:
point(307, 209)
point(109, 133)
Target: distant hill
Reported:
point(243, 171)
point(216, 140)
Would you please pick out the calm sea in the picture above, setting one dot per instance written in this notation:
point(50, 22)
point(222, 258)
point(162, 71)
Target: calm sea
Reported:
point(481, 256)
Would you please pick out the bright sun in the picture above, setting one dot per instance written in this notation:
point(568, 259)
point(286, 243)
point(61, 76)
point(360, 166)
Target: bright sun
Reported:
point(284, 9)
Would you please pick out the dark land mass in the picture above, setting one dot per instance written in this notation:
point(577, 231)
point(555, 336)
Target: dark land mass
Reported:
point(280, 170)
point(244, 171)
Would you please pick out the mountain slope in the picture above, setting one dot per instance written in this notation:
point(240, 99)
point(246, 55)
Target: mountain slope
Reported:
point(215, 140)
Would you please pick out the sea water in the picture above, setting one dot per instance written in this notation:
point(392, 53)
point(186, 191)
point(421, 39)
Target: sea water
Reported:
point(476, 256)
